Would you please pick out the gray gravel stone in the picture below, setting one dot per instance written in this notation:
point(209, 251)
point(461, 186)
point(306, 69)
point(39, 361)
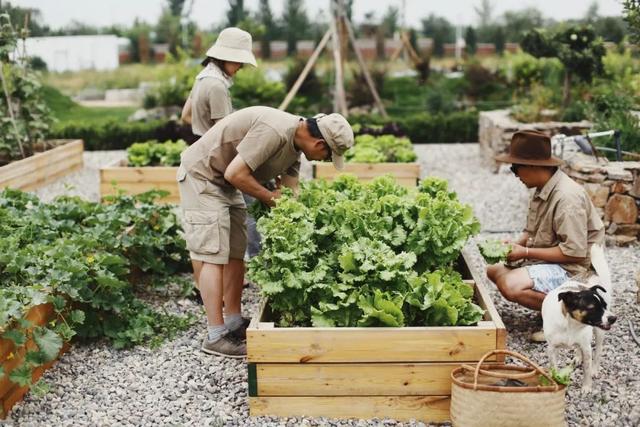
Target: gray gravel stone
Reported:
point(177, 384)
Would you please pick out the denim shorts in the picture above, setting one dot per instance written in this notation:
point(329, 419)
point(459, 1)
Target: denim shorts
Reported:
point(546, 277)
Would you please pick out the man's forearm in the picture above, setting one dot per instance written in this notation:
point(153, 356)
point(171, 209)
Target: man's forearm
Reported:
point(553, 254)
point(249, 185)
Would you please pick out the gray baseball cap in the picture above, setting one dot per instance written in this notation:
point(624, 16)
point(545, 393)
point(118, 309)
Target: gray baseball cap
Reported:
point(336, 130)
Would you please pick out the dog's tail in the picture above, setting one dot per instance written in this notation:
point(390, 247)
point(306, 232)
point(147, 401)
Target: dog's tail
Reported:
point(599, 263)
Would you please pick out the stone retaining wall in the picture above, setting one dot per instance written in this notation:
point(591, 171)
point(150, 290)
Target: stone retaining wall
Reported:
point(495, 129)
point(614, 188)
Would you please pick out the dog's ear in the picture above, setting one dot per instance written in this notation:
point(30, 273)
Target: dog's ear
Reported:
point(564, 296)
point(597, 288)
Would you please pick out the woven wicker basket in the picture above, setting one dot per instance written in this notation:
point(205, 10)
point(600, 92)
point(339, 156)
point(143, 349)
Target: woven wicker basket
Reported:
point(476, 401)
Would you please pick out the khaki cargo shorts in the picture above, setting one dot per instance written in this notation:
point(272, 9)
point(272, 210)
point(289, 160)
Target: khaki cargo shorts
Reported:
point(213, 220)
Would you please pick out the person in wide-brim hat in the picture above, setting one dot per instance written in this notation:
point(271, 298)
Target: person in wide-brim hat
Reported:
point(562, 224)
point(210, 99)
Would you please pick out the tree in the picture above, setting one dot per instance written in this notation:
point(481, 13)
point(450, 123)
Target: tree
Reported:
point(168, 30)
point(265, 17)
point(517, 23)
point(484, 12)
point(295, 23)
point(138, 36)
point(440, 30)
point(577, 47)
point(236, 13)
point(390, 21)
point(498, 39)
point(17, 15)
point(592, 13)
point(632, 16)
point(175, 7)
point(470, 40)
point(611, 28)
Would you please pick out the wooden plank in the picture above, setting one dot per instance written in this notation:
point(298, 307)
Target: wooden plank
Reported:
point(350, 379)
point(334, 345)
point(136, 180)
point(404, 408)
point(139, 174)
point(53, 173)
point(43, 168)
point(39, 160)
point(368, 170)
point(485, 297)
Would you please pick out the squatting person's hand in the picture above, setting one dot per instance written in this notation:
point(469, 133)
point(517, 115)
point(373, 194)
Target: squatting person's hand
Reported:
point(517, 252)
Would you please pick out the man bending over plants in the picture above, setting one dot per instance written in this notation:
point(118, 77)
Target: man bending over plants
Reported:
point(249, 146)
point(562, 224)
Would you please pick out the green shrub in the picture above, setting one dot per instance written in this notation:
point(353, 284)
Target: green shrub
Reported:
point(250, 87)
point(610, 108)
point(420, 128)
point(114, 134)
point(435, 128)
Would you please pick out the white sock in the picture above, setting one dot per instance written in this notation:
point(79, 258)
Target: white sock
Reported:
point(233, 321)
point(215, 332)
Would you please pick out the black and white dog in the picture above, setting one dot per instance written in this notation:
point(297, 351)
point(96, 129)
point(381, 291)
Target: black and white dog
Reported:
point(575, 310)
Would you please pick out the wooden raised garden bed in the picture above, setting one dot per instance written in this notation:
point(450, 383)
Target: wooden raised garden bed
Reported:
point(11, 358)
point(401, 373)
point(44, 167)
point(136, 180)
point(406, 174)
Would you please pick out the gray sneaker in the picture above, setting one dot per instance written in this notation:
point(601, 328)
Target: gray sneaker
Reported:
point(226, 346)
point(241, 332)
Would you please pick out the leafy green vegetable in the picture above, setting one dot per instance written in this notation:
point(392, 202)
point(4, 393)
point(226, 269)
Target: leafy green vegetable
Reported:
point(561, 376)
point(494, 251)
point(384, 148)
point(153, 153)
point(352, 254)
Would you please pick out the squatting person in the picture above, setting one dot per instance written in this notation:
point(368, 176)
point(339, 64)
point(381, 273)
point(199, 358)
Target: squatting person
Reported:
point(562, 225)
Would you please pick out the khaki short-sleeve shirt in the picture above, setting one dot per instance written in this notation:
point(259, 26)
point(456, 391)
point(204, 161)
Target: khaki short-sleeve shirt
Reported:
point(210, 101)
point(262, 136)
point(562, 214)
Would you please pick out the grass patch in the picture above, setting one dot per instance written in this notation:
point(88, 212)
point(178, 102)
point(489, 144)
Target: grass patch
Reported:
point(66, 110)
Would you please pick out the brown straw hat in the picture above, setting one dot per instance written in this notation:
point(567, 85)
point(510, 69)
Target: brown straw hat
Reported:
point(529, 147)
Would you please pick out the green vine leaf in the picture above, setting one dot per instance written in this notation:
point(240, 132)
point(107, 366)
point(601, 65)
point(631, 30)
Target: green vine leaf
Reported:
point(21, 375)
point(48, 341)
point(17, 336)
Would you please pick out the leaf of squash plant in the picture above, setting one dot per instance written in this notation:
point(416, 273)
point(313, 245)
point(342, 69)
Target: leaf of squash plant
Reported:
point(48, 342)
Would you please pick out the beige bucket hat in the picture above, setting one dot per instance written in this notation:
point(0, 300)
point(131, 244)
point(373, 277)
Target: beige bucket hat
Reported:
point(336, 130)
point(233, 44)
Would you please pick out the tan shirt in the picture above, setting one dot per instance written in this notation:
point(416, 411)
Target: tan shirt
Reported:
point(210, 100)
point(261, 136)
point(561, 214)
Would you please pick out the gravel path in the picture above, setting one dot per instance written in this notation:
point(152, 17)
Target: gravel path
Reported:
point(177, 384)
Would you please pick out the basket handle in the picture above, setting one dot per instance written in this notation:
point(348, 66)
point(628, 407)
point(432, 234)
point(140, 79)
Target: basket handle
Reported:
point(488, 373)
point(517, 356)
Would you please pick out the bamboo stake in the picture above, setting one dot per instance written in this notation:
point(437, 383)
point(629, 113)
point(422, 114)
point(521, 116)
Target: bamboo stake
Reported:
point(339, 100)
point(365, 71)
point(303, 75)
point(10, 109)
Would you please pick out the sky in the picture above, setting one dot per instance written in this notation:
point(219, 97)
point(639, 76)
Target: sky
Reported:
point(58, 13)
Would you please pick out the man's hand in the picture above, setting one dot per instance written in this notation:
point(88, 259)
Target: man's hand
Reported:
point(275, 195)
point(517, 252)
